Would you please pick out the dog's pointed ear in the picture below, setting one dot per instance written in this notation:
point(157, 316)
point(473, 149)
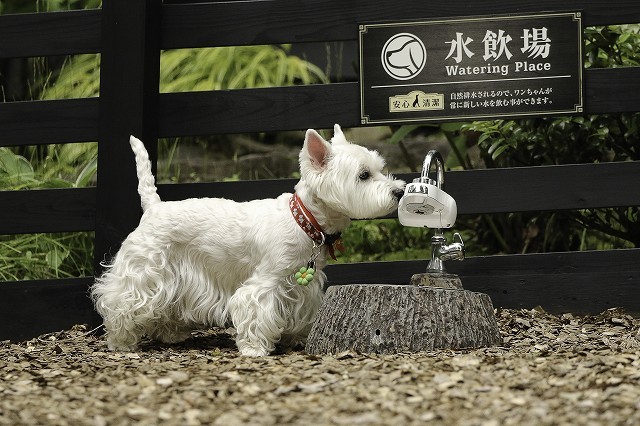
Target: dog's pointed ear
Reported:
point(316, 148)
point(338, 136)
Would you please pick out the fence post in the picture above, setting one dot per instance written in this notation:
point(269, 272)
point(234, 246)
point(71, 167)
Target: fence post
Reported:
point(129, 78)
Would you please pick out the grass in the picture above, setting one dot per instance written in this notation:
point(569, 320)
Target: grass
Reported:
point(44, 256)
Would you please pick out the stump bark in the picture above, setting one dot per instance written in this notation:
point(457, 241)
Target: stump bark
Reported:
point(388, 319)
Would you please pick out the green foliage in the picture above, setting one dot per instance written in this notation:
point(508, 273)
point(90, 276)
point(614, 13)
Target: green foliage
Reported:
point(57, 166)
point(383, 240)
point(43, 256)
point(612, 46)
point(15, 171)
point(564, 140)
point(235, 67)
point(79, 77)
point(182, 70)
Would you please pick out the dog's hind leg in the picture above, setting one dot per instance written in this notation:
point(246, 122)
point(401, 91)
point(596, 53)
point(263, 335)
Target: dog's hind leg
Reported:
point(133, 296)
point(117, 306)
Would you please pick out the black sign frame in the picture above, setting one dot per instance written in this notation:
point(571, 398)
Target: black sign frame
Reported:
point(451, 80)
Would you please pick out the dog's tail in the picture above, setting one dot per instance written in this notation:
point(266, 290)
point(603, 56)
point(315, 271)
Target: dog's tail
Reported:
point(146, 183)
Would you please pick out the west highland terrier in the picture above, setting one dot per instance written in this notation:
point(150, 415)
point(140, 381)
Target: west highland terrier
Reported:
point(202, 262)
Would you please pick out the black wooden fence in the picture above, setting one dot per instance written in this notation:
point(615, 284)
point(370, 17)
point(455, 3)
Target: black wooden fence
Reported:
point(130, 34)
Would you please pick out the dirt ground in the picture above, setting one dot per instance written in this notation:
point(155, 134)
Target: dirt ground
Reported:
point(551, 370)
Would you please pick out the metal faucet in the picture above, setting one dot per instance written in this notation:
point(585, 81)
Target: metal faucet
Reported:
point(432, 156)
point(440, 251)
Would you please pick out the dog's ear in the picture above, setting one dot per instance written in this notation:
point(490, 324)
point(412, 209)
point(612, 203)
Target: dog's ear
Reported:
point(316, 148)
point(338, 136)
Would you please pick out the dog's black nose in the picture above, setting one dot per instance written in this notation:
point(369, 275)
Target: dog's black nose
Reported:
point(398, 193)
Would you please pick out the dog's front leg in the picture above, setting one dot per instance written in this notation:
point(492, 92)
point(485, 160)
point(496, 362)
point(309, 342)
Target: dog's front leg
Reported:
point(257, 314)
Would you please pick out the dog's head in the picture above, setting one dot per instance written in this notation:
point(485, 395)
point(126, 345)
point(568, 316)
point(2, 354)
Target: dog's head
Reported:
point(347, 177)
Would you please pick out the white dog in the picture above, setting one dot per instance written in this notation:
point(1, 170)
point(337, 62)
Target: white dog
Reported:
point(202, 262)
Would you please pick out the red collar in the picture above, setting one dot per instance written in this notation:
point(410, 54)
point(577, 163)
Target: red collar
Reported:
point(312, 228)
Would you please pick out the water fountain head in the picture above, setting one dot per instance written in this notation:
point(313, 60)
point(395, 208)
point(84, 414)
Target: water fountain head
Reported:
point(424, 203)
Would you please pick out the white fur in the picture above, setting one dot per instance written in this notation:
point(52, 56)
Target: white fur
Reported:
point(202, 262)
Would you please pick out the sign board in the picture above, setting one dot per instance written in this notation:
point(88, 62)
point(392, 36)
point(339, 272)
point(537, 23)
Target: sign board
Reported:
point(471, 68)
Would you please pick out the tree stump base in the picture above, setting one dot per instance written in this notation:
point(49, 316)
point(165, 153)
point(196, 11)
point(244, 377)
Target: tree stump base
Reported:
point(431, 279)
point(389, 319)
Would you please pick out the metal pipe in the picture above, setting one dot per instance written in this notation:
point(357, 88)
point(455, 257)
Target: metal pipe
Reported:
point(426, 168)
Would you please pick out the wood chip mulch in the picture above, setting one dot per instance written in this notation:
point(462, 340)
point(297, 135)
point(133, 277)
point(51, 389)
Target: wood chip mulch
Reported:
point(551, 369)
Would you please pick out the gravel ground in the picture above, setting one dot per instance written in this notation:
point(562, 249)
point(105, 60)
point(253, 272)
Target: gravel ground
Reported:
point(551, 370)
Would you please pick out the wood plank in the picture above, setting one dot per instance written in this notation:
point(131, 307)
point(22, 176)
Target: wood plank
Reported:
point(254, 110)
point(503, 190)
point(286, 21)
point(58, 121)
point(478, 191)
point(47, 210)
point(238, 191)
point(259, 110)
point(31, 308)
point(578, 282)
point(544, 188)
point(320, 106)
point(602, 97)
point(50, 33)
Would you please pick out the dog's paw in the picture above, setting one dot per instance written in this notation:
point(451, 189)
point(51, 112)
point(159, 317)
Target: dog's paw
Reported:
point(121, 348)
point(253, 352)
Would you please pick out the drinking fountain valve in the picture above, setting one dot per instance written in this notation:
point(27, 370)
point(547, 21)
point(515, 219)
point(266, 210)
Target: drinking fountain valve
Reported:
point(440, 251)
point(425, 204)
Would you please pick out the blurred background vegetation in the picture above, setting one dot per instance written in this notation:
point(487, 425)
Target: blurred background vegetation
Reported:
point(485, 144)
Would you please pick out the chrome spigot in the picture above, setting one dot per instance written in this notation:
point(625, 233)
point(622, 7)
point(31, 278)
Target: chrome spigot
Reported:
point(441, 252)
point(433, 157)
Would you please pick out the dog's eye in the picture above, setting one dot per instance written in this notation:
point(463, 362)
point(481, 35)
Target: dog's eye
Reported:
point(364, 175)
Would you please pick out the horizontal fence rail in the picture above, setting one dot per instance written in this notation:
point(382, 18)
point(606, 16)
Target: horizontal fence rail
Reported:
point(559, 282)
point(257, 110)
point(581, 282)
point(31, 308)
point(50, 33)
point(208, 24)
point(58, 121)
point(321, 106)
point(47, 210)
point(271, 22)
point(548, 188)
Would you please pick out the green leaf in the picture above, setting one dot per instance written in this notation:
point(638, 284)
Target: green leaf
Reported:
point(15, 171)
point(498, 151)
point(495, 146)
point(87, 174)
point(55, 257)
